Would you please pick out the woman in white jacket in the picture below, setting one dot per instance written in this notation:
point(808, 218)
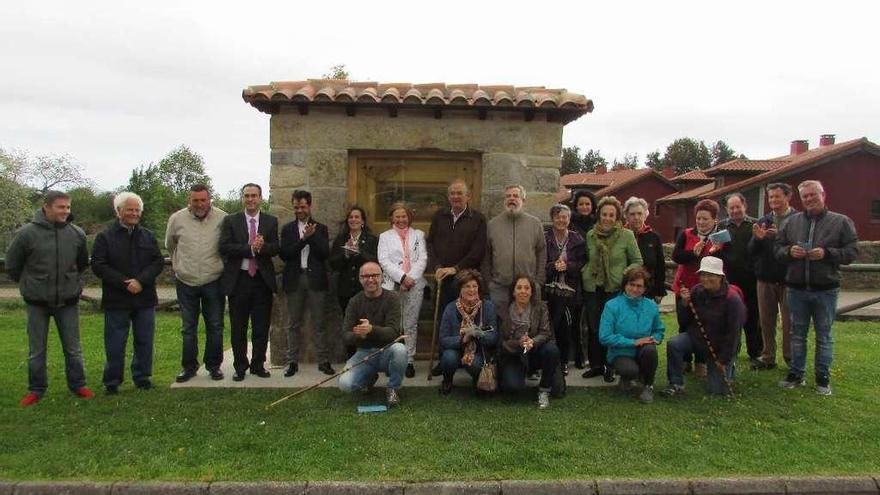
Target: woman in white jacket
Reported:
point(403, 257)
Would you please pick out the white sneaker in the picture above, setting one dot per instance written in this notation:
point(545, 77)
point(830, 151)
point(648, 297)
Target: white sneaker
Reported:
point(393, 398)
point(823, 389)
point(543, 399)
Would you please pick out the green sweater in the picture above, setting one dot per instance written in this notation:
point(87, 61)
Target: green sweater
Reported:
point(624, 255)
point(383, 312)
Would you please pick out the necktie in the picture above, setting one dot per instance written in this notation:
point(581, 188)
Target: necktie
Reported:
point(252, 236)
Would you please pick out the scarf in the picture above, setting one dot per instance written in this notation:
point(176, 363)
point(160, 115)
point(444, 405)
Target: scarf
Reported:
point(352, 242)
point(605, 240)
point(468, 313)
point(520, 322)
point(644, 230)
point(404, 239)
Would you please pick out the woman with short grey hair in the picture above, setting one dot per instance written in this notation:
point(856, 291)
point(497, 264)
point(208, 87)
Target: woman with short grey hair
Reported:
point(636, 211)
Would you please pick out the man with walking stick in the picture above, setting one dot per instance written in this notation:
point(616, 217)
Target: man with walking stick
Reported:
point(456, 241)
point(372, 321)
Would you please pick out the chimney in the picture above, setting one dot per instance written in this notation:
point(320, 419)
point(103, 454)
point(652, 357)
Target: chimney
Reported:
point(601, 169)
point(826, 140)
point(799, 146)
point(668, 171)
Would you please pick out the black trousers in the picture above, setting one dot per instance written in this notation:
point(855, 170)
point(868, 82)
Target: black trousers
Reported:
point(752, 326)
point(595, 304)
point(514, 367)
point(565, 318)
point(250, 302)
point(643, 366)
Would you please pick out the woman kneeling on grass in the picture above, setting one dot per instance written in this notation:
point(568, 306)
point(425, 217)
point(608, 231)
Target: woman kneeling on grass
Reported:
point(631, 330)
point(467, 330)
point(527, 342)
point(713, 332)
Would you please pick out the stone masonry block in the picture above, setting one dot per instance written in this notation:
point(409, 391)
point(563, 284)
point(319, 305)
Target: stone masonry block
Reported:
point(6, 488)
point(725, 486)
point(287, 177)
point(646, 487)
point(261, 488)
point(828, 486)
point(327, 168)
point(296, 158)
point(160, 489)
point(544, 179)
point(353, 488)
point(544, 162)
point(584, 487)
point(62, 488)
point(455, 488)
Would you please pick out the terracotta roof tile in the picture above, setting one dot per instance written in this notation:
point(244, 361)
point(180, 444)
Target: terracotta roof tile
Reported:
point(604, 180)
point(741, 165)
point(560, 103)
point(686, 195)
point(693, 175)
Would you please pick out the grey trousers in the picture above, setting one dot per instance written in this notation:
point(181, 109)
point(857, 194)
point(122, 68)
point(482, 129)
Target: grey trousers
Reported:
point(67, 322)
point(297, 303)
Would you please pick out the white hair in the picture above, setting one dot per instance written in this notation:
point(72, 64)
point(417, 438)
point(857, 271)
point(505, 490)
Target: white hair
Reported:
point(811, 183)
point(121, 198)
point(458, 181)
point(522, 190)
point(634, 201)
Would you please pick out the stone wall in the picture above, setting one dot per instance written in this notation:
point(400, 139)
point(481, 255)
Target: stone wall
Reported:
point(312, 152)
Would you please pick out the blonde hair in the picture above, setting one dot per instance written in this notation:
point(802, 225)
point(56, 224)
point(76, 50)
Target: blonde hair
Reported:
point(401, 205)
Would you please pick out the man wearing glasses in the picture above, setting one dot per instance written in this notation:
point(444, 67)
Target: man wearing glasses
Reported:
point(372, 321)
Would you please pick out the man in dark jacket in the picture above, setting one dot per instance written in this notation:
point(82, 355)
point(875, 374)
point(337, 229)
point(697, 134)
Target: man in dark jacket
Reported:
point(814, 243)
point(127, 259)
point(740, 269)
point(771, 275)
point(456, 241)
point(713, 332)
point(47, 258)
point(304, 248)
point(248, 241)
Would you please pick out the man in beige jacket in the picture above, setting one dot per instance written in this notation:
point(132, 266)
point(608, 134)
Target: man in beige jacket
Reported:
point(192, 239)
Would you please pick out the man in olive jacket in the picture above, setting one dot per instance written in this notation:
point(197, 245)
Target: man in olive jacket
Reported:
point(47, 258)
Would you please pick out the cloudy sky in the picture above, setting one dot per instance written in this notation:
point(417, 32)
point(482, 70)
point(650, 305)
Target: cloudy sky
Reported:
point(117, 84)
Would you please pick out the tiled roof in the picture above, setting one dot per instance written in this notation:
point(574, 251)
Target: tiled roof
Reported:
point(747, 166)
point(557, 103)
point(693, 175)
point(601, 180)
point(783, 166)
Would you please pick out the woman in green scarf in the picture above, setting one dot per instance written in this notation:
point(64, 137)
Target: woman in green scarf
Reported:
point(611, 250)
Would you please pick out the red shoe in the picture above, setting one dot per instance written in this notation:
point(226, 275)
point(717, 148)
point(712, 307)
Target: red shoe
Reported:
point(30, 399)
point(84, 393)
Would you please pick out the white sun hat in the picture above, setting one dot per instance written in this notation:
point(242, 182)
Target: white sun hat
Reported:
point(711, 264)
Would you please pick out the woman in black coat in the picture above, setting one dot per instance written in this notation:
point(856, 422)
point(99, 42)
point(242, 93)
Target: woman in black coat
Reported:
point(635, 210)
point(352, 247)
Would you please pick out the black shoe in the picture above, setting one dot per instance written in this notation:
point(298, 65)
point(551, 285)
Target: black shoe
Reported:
point(326, 368)
point(111, 390)
point(446, 386)
point(565, 369)
point(291, 370)
point(436, 370)
point(184, 376)
point(608, 375)
point(410, 370)
point(144, 385)
point(238, 376)
point(261, 372)
point(216, 374)
point(592, 373)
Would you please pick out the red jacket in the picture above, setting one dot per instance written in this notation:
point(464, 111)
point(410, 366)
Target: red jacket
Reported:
point(688, 262)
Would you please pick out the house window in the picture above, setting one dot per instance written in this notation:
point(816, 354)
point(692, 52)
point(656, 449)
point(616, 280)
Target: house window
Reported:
point(875, 210)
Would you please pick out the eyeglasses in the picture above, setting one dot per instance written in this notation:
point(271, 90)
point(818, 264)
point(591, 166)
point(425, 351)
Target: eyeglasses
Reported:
point(371, 275)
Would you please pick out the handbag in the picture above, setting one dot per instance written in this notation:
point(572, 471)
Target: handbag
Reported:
point(488, 379)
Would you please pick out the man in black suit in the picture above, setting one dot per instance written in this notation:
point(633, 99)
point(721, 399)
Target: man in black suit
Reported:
point(305, 245)
point(248, 241)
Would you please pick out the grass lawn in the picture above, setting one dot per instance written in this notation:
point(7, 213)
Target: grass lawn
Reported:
point(208, 435)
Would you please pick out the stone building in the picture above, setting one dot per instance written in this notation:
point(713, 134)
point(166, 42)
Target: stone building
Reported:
point(372, 144)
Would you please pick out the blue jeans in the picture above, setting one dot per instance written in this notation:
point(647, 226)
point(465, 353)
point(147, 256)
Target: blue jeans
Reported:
point(67, 322)
point(821, 306)
point(116, 325)
point(209, 301)
point(391, 361)
point(450, 362)
point(683, 345)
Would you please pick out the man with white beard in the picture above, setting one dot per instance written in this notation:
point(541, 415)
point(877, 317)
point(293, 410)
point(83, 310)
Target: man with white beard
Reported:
point(515, 246)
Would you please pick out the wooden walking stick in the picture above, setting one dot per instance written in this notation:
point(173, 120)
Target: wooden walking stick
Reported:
point(714, 354)
point(434, 332)
point(339, 373)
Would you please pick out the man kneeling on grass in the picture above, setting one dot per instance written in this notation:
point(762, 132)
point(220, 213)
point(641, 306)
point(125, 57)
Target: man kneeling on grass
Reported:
point(372, 321)
point(712, 332)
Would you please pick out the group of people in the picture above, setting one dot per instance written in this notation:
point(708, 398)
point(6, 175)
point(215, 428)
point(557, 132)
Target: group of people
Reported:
point(512, 295)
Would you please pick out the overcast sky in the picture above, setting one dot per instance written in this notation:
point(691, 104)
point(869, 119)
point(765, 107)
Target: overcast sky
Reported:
point(118, 84)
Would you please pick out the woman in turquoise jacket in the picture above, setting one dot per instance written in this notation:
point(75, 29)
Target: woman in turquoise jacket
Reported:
point(631, 330)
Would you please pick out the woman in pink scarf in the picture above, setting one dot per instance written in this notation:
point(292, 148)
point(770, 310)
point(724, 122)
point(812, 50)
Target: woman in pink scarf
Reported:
point(403, 257)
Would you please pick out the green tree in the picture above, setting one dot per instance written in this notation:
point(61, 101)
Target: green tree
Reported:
point(722, 153)
point(686, 154)
point(92, 210)
point(593, 159)
point(629, 161)
point(15, 204)
point(337, 72)
point(654, 160)
point(180, 169)
point(57, 172)
point(572, 161)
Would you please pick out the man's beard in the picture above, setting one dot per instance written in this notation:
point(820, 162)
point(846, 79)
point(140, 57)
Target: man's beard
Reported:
point(513, 211)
